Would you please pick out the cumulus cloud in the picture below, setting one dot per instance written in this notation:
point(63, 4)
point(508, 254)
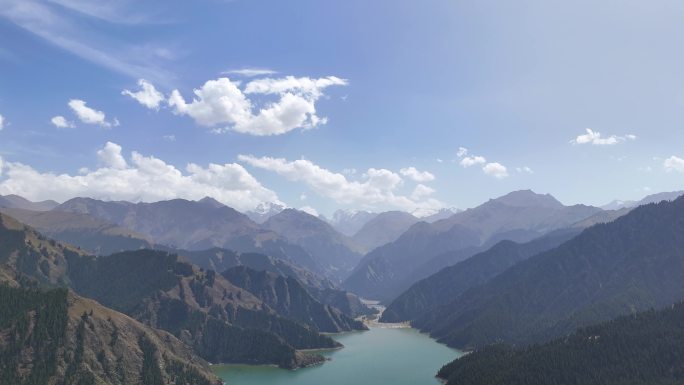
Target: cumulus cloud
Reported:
point(250, 72)
point(496, 170)
point(110, 156)
point(2, 122)
point(674, 163)
point(148, 95)
point(417, 176)
point(524, 170)
point(61, 122)
point(421, 191)
point(377, 187)
point(89, 115)
point(223, 105)
point(139, 178)
point(469, 161)
point(595, 138)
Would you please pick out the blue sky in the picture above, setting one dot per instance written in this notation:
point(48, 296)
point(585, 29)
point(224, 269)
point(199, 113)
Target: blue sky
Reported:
point(373, 88)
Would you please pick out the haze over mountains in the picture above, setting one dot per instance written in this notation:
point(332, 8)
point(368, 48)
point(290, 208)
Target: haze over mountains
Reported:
point(633, 263)
point(426, 248)
point(202, 282)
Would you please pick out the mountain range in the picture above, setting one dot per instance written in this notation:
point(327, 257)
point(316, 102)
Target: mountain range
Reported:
point(17, 202)
point(220, 321)
point(426, 248)
point(633, 263)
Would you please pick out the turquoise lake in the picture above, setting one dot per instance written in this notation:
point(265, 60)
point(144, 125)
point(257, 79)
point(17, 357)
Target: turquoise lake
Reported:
point(380, 356)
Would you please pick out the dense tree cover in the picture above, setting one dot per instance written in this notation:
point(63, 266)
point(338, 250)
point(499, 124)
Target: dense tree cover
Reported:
point(32, 326)
point(633, 263)
point(450, 282)
point(150, 374)
point(644, 349)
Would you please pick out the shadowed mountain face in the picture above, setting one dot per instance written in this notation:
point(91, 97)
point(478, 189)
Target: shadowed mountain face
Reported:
point(194, 225)
point(450, 282)
point(633, 263)
point(17, 202)
point(384, 228)
point(291, 299)
point(336, 253)
point(426, 248)
point(223, 323)
point(318, 286)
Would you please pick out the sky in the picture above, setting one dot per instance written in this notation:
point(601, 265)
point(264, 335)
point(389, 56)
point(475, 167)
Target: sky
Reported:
point(353, 104)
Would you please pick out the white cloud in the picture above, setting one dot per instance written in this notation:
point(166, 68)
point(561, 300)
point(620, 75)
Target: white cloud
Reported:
point(377, 187)
point(496, 170)
point(525, 170)
point(170, 138)
point(469, 161)
point(302, 197)
point(309, 210)
point(89, 115)
point(250, 72)
point(674, 163)
point(110, 156)
point(139, 178)
point(148, 95)
point(595, 138)
point(417, 176)
point(222, 102)
point(421, 191)
point(61, 122)
point(2, 122)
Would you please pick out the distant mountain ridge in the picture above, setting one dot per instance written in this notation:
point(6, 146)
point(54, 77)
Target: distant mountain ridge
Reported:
point(349, 222)
point(449, 283)
point(386, 227)
point(87, 232)
point(653, 198)
point(17, 202)
point(633, 263)
point(194, 225)
point(426, 248)
point(264, 211)
point(336, 253)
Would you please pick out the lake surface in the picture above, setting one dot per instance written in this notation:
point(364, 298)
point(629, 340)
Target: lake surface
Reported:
point(380, 356)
